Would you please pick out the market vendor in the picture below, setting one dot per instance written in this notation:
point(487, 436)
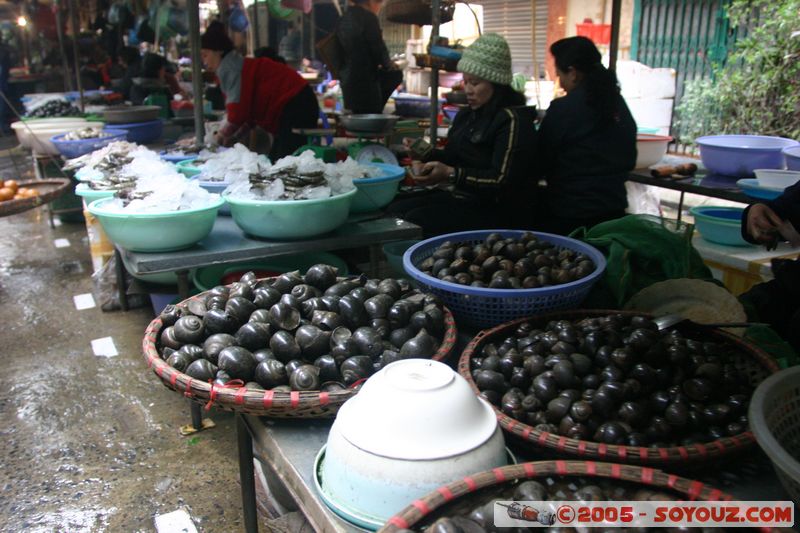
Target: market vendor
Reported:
point(776, 302)
point(587, 141)
point(368, 76)
point(260, 94)
point(489, 153)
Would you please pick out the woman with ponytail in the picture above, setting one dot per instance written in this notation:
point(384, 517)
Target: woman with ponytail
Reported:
point(587, 141)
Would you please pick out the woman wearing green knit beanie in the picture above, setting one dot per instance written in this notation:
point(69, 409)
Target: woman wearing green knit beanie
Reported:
point(489, 154)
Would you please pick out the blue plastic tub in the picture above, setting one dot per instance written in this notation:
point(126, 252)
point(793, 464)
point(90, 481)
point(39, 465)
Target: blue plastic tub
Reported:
point(79, 147)
point(377, 193)
point(739, 155)
point(215, 187)
point(176, 158)
point(483, 307)
point(143, 132)
point(721, 225)
point(792, 155)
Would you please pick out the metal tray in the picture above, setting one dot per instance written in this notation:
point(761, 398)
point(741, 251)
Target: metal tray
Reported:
point(126, 115)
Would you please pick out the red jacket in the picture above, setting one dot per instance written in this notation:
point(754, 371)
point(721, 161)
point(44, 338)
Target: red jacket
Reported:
point(267, 86)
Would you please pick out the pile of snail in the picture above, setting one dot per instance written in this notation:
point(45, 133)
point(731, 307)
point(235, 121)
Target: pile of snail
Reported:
point(526, 262)
point(304, 333)
point(481, 518)
point(615, 380)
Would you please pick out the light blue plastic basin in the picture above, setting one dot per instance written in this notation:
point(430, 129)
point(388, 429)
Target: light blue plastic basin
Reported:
point(90, 195)
point(376, 193)
point(291, 219)
point(156, 232)
point(187, 168)
point(721, 225)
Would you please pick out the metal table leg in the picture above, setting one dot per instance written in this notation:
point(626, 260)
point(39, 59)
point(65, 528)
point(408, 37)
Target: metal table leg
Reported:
point(183, 284)
point(122, 290)
point(247, 475)
point(374, 254)
point(680, 206)
point(197, 415)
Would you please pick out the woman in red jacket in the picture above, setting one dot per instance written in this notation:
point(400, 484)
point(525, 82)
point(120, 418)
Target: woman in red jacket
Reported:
point(259, 92)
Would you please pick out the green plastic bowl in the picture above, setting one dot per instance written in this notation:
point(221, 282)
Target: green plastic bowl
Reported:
point(207, 278)
point(377, 193)
point(394, 255)
point(90, 195)
point(156, 232)
point(291, 219)
point(187, 168)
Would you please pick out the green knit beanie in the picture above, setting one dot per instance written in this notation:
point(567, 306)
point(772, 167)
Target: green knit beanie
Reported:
point(489, 58)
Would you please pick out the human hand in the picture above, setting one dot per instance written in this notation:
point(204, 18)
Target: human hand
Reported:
point(763, 223)
point(433, 172)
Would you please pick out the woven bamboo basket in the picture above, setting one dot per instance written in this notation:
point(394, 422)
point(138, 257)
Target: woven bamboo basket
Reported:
point(49, 190)
point(478, 488)
point(295, 404)
point(753, 362)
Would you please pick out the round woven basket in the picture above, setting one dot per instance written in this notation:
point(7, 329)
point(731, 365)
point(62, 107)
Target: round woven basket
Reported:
point(49, 190)
point(437, 503)
point(295, 404)
point(753, 362)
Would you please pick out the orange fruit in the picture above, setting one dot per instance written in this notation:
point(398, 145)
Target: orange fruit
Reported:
point(6, 194)
point(33, 192)
point(11, 184)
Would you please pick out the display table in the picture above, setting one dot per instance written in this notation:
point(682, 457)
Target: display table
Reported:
point(288, 448)
point(741, 267)
point(227, 244)
point(702, 183)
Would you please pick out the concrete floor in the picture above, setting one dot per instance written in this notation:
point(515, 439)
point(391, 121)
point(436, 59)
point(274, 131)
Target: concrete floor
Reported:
point(91, 443)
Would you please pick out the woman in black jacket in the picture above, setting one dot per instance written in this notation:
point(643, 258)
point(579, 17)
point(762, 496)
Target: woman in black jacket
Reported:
point(368, 76)
point(587, 141)
point(489, 154)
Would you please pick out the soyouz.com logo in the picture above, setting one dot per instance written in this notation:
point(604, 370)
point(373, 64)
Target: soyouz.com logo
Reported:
point(644, 514)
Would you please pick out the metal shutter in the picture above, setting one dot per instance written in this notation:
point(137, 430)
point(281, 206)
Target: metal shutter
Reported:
point(512, 20)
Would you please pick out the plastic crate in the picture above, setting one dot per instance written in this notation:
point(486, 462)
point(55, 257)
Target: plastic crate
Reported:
point(483, 307)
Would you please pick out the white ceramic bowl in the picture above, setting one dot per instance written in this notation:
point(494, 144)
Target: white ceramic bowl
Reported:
point(776, 179)
point(650, 149)
point(414, 426)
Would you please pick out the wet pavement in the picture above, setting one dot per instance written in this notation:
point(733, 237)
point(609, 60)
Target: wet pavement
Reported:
point(91, 443)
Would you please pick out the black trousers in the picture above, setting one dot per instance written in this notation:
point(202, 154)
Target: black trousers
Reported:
point(441, 212)
point(302, 111)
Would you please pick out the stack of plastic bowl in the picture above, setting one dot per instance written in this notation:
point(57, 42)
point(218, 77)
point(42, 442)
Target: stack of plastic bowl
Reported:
point(290, 219)
point(376, 193)
point(720, 225)
point(740, 155)
point(414, 426)
point(155, 232)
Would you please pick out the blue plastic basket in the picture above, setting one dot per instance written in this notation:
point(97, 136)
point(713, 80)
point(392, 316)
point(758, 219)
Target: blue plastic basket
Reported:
point(483, 307)
point(79, 147)
point(143, 132)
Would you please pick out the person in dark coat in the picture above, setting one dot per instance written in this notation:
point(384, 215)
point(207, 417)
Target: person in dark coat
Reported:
point(131, 61)
point(587, 141)
point(489, 154)
point(776, 302)
point(368, 76)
